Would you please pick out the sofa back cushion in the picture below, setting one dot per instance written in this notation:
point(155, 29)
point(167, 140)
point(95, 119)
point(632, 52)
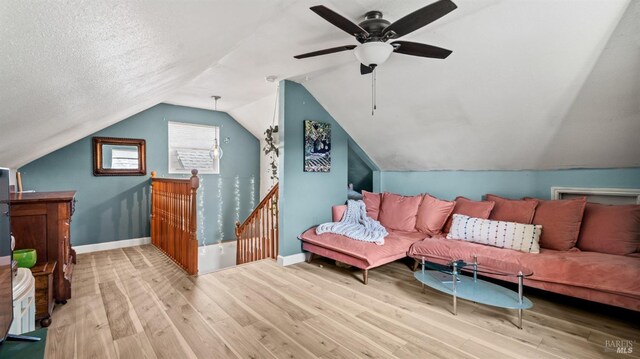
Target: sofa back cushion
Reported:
point(399, 212)
point(372, 203)
point(560, 220)
point(337, 212)
point(518, 236)
point(512, 210)
point(432, 214)
point(610, 229)
point(467, 207)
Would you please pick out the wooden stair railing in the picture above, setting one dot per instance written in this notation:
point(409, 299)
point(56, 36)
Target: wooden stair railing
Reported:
point(174, 219)
point(258, 235)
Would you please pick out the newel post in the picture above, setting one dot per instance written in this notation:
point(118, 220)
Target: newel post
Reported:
point(193, 230)
point(151, 216)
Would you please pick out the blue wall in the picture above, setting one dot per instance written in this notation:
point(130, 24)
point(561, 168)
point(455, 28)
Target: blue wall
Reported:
point(514, 184)
point(117, 208)
point(305, 197)
point(360, 169)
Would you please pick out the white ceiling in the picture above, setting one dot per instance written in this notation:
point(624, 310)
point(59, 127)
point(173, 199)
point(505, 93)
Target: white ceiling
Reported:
point(531, 84)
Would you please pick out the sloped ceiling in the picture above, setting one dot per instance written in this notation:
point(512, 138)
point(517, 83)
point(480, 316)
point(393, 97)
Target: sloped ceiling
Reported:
point(70, 68)
point(531, 84)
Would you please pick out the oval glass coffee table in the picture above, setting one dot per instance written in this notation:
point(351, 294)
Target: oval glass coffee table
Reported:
point(447, 276)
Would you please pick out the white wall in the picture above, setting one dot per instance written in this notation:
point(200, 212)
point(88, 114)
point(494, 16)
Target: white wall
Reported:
point(216, 256)
point(257, 117)
point(266, 183)
point(12, 176)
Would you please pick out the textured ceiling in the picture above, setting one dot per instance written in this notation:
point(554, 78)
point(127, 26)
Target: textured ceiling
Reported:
point(70, 68)
point(530, 84)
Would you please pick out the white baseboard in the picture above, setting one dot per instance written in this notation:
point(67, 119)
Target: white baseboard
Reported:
point(292, 259)
point(88, 248)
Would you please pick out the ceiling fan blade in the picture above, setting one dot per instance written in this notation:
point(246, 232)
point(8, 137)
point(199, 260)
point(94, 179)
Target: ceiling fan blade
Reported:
point(420, 18)
point(418, 49)
point(326, 51)
point(339, 21)
point(364, 69)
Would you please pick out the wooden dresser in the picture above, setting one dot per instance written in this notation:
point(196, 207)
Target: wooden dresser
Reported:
point(42, 220)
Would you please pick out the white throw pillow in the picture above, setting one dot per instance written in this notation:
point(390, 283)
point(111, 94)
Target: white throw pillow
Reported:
point(518, 236)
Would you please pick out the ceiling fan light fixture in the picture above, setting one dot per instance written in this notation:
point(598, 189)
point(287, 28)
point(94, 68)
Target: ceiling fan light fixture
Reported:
point(373, 53)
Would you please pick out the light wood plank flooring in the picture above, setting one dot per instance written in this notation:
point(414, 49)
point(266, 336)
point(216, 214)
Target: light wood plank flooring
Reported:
point(135, 303)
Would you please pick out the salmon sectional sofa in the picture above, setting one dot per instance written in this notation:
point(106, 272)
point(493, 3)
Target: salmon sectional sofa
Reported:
point(587, 250)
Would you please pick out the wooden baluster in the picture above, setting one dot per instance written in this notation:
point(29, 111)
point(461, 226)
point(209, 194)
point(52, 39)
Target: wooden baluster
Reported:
point(163, 200)
point(258, 234)
point(266, 230)
point(179, 231)
point(259, 240)
point(253, 236)
point(263, 239)
point(185, 232)
point(270, 233)
point(254, 239)
point(275, 226)
point(172, 220)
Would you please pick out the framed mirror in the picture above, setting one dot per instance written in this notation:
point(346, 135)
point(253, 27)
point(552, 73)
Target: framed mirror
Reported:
point(119, 157)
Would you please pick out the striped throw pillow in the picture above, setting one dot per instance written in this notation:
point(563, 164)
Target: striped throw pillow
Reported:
point(518, 236)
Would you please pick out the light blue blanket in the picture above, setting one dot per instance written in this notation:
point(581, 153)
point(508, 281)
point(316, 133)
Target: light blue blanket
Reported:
point(356, 225)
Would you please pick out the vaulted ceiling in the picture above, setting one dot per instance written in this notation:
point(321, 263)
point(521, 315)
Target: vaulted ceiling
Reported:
point(531, 84)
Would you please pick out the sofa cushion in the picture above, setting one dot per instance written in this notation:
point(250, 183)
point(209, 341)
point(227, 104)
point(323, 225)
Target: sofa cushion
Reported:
point(432, 214)
point(399, 212)
point(610, 229)
point(337, 212)
point(518, 236)
point(372, 203)
point(598, 271)
point(512, 210)
point(467, 207)
point(396, 245)
point(560, 221)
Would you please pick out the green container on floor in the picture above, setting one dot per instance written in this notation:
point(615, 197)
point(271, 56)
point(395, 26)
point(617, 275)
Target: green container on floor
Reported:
point(26, 258)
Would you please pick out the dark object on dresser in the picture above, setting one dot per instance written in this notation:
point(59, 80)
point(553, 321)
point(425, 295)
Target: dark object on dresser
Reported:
point(43, 221)
point(43, 274)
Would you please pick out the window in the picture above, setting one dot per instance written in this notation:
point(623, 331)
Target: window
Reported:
point(190, 147)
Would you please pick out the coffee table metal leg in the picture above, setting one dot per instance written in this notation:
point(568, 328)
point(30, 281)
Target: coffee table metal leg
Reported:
point(423, 274)
point(455, 296)
point(520, 278)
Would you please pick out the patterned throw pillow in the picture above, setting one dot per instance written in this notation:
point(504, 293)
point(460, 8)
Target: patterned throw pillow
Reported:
point(518, 236)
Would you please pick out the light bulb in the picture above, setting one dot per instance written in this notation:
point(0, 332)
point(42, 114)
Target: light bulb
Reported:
point(216, 153)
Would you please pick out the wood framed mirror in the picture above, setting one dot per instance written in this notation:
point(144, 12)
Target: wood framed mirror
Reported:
point(119, 156)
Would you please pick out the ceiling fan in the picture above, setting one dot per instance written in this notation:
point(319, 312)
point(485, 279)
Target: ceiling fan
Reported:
point(374, 32)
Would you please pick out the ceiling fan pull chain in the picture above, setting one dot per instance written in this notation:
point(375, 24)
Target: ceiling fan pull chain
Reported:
point(374, 94)
point(375, 88)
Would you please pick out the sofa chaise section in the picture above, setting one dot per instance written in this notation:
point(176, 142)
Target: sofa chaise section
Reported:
point(360, 254)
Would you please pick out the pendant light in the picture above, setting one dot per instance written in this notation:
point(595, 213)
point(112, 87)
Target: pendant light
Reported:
point(216, 151)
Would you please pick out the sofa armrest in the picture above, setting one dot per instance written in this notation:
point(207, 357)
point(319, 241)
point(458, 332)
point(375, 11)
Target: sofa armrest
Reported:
point(337, 212)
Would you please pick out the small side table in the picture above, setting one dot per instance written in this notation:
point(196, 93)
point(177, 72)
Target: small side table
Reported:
point(43, 274)
point(24, 303)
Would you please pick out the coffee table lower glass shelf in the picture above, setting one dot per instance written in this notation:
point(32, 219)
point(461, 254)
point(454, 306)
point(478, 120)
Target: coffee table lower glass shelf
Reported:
point(474, 289)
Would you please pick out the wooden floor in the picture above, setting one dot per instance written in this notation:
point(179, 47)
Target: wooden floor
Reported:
point(135, 303)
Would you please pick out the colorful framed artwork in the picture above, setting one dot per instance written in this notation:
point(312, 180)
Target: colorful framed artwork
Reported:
point(317, 146)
